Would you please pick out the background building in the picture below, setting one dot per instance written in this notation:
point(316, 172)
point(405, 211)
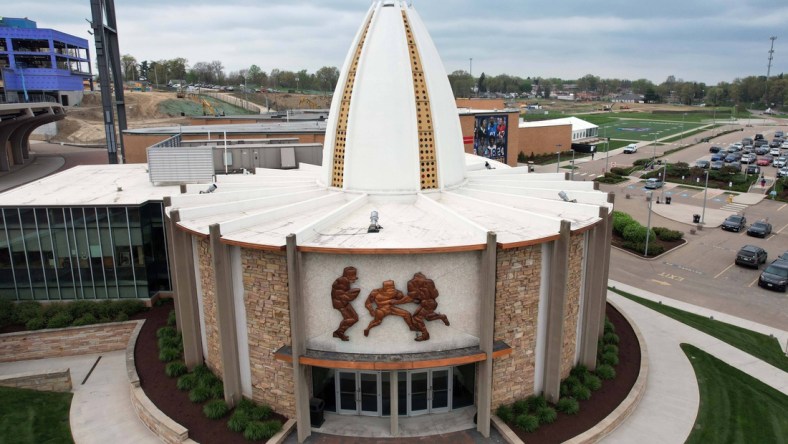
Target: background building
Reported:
point(42, 65)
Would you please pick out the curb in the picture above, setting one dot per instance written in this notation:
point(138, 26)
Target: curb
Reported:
point(650, 258)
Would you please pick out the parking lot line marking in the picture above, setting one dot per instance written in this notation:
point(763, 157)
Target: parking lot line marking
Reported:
point(781, 229)
point(783, 206)
point(723, 271)
point(753, 282)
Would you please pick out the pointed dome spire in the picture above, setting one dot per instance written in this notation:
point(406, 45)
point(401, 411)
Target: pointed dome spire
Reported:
point(393, 126)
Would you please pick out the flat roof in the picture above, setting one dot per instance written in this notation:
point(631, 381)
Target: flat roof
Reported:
point(315, 126)
point(90, 185)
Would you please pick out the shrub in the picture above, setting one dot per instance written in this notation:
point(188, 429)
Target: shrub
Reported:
point(609, 359)
point(168, 332)
point(546, 415)
point(217, 390)
point(26, 311)
point(215, 409)
point(171, 319)
point(169, 354)
point(610, 338)
point(529, 423)
point(536, 402)
point(36, 323)
point(257, 430)
point(579, 371)
point(171, 342)
point(642, 162)
point(505, 413)
point(201, 369)
point(581, 392)
point(238, 421)
point(51, 310)
point(606, 372)
point(573, 381)
point(609, 327)
point(130, 307)
point(592, 382)
point(85, 319)
point(565, 389)
point(260, 412)
point(7, 312)
point(246, 405)
point(634, 232)
point(521, 157)
point(520, 406)
point(570, 406)
point(199, 394)
point(121, 317)
point(610, 348)
point(618, 171)
point(175, 369)
point(106, 310)
point(187, 382)
point(621, 221)
point(60, 320)
point(668, 235)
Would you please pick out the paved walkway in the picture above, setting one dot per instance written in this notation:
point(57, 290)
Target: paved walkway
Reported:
point(101, 410)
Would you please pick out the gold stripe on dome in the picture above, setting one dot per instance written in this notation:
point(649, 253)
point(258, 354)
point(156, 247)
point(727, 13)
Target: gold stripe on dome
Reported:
point(338, 174)
point(429, 170)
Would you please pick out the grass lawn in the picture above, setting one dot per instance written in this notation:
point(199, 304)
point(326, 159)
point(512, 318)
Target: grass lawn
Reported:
point(29, 416)
point(734, 406)
point(761, 346)
point(644, 130)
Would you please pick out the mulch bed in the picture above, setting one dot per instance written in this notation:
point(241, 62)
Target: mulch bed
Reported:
point(618, 242)
point(174, 403)
point(604, 400)
point(162, 390)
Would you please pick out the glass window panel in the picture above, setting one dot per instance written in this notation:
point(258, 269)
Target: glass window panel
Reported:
point(402, 393)
point(463, 382)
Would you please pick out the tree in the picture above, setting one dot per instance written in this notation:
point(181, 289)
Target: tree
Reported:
point(461, 83)
point(327, 78)
point(128, 64)
point(481, 86)
point(255, 75)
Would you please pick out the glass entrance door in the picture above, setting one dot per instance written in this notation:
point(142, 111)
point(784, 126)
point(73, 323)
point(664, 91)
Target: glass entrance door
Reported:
point(369, 393)
point(358, 393)
point(346, 392)
point(429, 391)
point(440, 390)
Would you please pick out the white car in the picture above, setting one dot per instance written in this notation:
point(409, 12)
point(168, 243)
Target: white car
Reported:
point(631, 148)
point(782, 172)
point(784, 145)
point(780, 162)
point(748, 158)
point(775, 151)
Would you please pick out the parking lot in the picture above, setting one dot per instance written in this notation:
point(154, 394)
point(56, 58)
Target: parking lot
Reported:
point(702, 271)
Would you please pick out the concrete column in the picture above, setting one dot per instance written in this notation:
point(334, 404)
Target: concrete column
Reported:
point(594, 291)
point(556, 307)
point(486, 335)
point(394, 395)
point(606, 266)
point(297, 339)
point(225, 316)
point(16, 147)
point(185, 283)
point(170, 241)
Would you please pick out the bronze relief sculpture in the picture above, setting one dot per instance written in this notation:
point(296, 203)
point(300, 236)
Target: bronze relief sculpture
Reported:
point(384, 301)
point(341, 297)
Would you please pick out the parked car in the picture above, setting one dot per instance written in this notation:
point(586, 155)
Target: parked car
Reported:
point(782, 172)
point(715, 149)
point(747, 141)
point(760, 142)
point(717, 156)
point(775, 143)
point(783, 257)
point(780, 162)
point(775, 151)
point(702, 164)
point(631, 148)
point(753, 169)
point(760, 229)
point(751, 256)
point(764, 161)
point(759, 137)
point(779, 133)
point(735, 165)
point(761, 150)
point(734, 223)
point(717, 165)
point(748, 158)
point(775, 276)
point(731, 158)
point(653, 183)
point(784, 145)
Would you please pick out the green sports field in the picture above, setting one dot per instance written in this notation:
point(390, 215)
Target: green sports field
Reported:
point(643, 130)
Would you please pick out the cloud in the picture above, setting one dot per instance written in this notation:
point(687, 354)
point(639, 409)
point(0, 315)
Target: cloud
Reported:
point(708, 40)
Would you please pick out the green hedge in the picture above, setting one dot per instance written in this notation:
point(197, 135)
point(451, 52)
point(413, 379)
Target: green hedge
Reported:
point(34, 315)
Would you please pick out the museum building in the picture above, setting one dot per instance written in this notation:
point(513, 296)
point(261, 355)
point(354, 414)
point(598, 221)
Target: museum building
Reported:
point(394, 280)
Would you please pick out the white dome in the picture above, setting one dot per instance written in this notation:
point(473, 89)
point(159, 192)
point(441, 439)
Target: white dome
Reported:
point(393, 126)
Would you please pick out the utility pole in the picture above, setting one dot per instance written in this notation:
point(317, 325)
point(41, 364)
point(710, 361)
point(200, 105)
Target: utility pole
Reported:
point(471, 73)
point(768, 71)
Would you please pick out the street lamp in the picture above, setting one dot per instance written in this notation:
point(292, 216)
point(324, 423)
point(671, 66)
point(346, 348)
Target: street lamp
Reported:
point(607, 148)
point(649, 196)
point(572, 174)
point(682, 129)
point(558, 165)
point(664, 178)
point(705, 190)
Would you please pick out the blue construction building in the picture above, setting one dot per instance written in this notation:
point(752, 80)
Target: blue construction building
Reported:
point(42, 65)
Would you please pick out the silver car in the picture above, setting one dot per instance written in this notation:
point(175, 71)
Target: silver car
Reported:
point(780, 162)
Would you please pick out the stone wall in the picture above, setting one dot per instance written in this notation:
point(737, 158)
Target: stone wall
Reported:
point(154, 419)
point(517, 285)
point(208, 284)
point(71, 341)
point(572, 308)
point(49, 381)
point(266, 299)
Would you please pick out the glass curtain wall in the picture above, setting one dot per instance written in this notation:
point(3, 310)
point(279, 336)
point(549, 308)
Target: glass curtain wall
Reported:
point(66, 253)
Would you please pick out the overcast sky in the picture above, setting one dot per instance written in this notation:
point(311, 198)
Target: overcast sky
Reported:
point(695, 40)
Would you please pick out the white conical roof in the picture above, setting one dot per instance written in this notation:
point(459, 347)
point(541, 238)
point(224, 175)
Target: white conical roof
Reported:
point(393, 126)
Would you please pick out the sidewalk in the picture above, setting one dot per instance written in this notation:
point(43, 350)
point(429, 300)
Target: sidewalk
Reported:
point(667, 412)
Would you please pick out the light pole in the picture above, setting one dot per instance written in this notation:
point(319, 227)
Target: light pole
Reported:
point(682, 129)
point(705, 190)
point(649, 197)
point(664, 178)
point(572, 174)
point(654, 156)
point(558, 165)
point(607, 151)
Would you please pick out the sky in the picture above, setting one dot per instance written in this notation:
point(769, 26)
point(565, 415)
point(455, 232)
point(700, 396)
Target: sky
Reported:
point(694, 40)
